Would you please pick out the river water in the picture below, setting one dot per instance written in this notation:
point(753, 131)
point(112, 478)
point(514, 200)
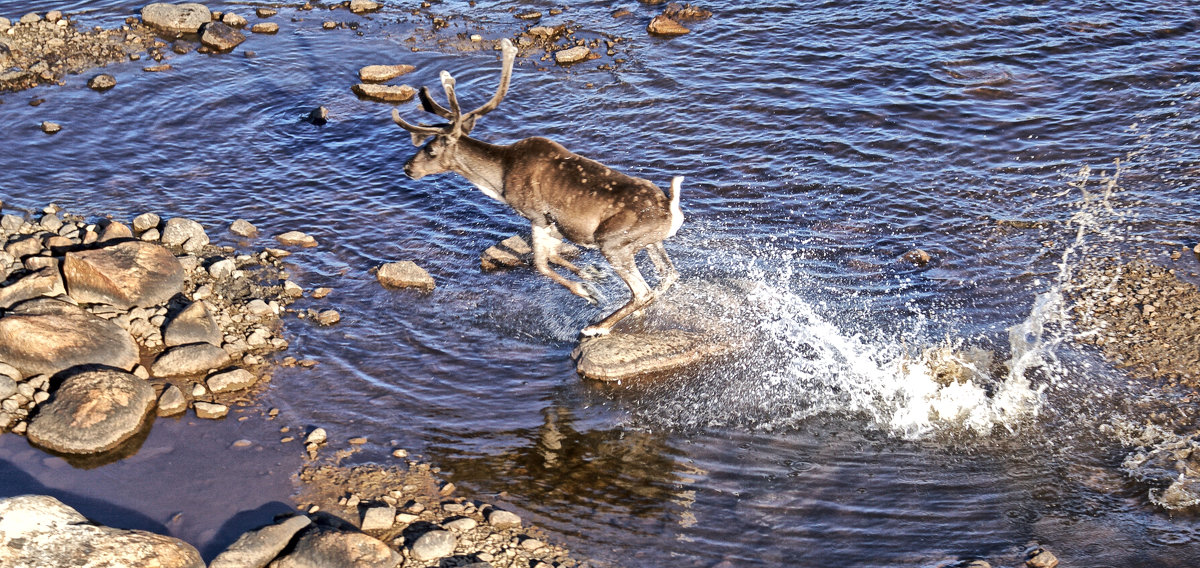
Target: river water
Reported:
point(820, 143)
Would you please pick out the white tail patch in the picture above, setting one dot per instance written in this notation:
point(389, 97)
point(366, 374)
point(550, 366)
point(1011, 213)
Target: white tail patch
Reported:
point(676, 212)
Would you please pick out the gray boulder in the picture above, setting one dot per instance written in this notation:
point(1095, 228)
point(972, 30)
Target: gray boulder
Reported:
point(124, 275)
point(45, 281)
point(194, 324)
point(176, 17)
point(258, 547)
point(191, 359)
point(433, 545)
point(45, 336)
point(184, 233)
point(39, 530)
point(333, 549)
point(92, 412)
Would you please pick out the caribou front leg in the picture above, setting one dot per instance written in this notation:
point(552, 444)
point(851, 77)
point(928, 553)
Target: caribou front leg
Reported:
point(545, 246)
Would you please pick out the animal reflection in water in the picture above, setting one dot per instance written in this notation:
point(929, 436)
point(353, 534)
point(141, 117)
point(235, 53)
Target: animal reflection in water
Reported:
point(561, 193)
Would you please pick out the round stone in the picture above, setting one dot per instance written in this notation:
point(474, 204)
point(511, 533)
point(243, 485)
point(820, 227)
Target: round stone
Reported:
point(92, 412)
point(434, 544)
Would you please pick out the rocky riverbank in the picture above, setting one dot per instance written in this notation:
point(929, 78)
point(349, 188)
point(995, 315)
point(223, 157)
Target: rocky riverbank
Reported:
point(43, 49)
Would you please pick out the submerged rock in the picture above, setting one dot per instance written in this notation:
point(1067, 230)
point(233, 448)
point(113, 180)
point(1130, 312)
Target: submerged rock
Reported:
point(296, 238)
point(102, 82)
point(125, 274)
point(92, 412)
point(45, 336)
point(39, 530)
point(572, 55)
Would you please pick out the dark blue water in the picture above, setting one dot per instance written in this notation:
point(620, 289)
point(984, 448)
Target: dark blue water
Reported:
point(820, 142)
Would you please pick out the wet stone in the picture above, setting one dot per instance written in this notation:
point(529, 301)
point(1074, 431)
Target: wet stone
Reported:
point(384, 93)
point(220, 36)
point(243, 228)
point(622, 355)
point(102, 82)
point(296, 239)
point(572, 55)
point(265, 28)
point(92, 412)
point(404, 274)
point(664, 26)
point(381, 73)
point(50, 127)
point(234, 20)
point(360, 6)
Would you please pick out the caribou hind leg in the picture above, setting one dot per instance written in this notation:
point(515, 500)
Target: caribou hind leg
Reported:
point(623, 263)
point(667, 275)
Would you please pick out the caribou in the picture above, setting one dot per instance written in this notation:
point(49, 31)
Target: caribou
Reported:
point(562, 194)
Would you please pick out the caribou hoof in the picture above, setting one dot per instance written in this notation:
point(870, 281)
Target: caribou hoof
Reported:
point(594, 331)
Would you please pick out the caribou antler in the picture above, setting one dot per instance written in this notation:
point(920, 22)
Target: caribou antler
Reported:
point(509, 55)
point(464, 123)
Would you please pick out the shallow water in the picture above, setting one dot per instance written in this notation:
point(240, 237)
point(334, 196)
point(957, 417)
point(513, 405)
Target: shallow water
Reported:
point(820, 142)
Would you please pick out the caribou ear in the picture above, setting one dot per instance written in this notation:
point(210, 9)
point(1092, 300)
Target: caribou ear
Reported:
point(419, 138)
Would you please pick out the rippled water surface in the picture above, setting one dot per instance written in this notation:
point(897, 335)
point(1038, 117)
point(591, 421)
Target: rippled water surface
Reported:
point(820, 143)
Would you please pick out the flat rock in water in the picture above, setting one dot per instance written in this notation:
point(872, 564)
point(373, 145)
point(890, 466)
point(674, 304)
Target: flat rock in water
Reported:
point(102, 82)
point(92, 412)
point(44, 281)
point(381, 73)
point(665, 26)
point(385, 93)
point(259, 547)
point(360, 6)
point(176, 17)
point(221, 36)
point(622, 355)
point(210, 411)
point(296, 239)
point(125, 274)
point(243, 228)
point(327, 548)
point(265, 28)
point(194, 324)
point(572, 55)
point(192, 359)
point(404, 274)
point(39, 530)
point(45, 336)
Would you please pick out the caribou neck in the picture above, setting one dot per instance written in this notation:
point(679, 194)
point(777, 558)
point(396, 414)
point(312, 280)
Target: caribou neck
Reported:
point(480, 163)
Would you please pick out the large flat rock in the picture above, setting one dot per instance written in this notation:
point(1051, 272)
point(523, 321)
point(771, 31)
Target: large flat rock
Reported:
point(45, 336)
point(259, 547)
point(39, 530)
point(191, 359)
point(45, 281)
point(694, 322)
point(93, 412)
point(124, 275)
point(623, 355)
